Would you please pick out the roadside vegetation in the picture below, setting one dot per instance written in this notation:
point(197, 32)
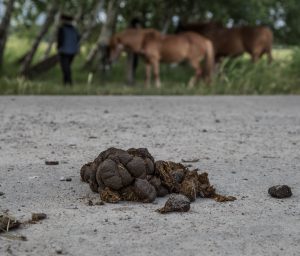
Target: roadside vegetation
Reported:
point(238, 76)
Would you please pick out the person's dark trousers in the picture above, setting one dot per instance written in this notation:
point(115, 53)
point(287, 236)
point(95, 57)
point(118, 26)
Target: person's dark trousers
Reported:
point(65, 63)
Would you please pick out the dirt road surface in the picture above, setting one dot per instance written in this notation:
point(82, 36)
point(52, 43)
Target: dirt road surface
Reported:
point(246, 144)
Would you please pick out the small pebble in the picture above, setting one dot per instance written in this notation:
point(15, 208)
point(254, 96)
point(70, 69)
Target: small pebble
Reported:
point(280, 191)
point(176, 203)
point(99, 203)
point(51, 162)
point(58, 251)
point(1, 193)
point(65, 179)
point(192, 160)
point(38, 216)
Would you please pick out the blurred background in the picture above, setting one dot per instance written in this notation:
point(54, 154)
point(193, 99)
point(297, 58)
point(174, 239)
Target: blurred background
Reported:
point(28, 56)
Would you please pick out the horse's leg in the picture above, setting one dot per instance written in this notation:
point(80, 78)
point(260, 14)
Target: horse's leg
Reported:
point(254, 57)
point(269, 54)
point(148, 74)
point(256, 54)
point(198, 71)
point(156, 73)
point(129, 68)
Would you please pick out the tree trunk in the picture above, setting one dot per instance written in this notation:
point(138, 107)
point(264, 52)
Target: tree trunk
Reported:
point(166, 26)
point(48, 22)
point(50, 44)
point(53, 36)
point(43, 66)
point(106, 32)
point(4, 29)
point(92, 21)
point(167, 20)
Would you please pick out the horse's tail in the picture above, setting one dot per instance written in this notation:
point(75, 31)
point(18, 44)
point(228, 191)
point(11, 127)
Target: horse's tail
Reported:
point(209, 60)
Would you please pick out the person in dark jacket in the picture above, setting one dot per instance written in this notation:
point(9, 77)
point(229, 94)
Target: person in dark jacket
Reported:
point(68, 45)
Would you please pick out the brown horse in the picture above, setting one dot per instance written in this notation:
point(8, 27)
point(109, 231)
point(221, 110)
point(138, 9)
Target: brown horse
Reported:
point(129, 40)
point(187, 46)
point(232, 42)
point(170, 49)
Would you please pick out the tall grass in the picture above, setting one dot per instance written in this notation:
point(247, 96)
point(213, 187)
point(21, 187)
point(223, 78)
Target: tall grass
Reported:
point(238, 76)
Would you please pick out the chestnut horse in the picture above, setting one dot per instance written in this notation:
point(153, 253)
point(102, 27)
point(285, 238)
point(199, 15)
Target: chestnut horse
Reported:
point(187, 46)
point(155, 47)
point(129, 40)
point(232, 42)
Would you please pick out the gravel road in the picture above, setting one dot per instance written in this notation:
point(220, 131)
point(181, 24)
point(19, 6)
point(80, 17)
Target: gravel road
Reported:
point(246, 144)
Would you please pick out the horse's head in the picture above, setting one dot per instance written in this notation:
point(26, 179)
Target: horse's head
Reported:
point(115, 48)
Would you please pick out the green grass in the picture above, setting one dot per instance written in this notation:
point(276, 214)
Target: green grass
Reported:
point(238, 76)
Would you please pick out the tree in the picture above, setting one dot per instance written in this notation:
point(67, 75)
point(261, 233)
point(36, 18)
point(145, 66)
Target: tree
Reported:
point(44, 29)
point(4, 26)
point(92, 20)
point(105, 33)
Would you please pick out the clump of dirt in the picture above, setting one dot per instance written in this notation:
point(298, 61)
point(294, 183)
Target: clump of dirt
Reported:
point(280, 191)
point(176, 203)
point(133, 175)
point(51, 162)
point(38, 216)
point(179, 179)
point(8, 222)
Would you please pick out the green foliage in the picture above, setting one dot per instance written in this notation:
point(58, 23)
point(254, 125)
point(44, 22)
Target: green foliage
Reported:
point(291, 16)
point(293, 70)
point(281, 15)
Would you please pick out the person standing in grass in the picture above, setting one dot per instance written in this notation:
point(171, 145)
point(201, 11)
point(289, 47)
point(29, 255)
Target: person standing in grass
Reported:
point(68, 46)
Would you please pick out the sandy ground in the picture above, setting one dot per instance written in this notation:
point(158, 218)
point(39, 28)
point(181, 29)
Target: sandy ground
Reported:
point(255, 144)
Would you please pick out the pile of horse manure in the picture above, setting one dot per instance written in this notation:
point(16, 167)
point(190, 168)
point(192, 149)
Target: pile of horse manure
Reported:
point(133, 175)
